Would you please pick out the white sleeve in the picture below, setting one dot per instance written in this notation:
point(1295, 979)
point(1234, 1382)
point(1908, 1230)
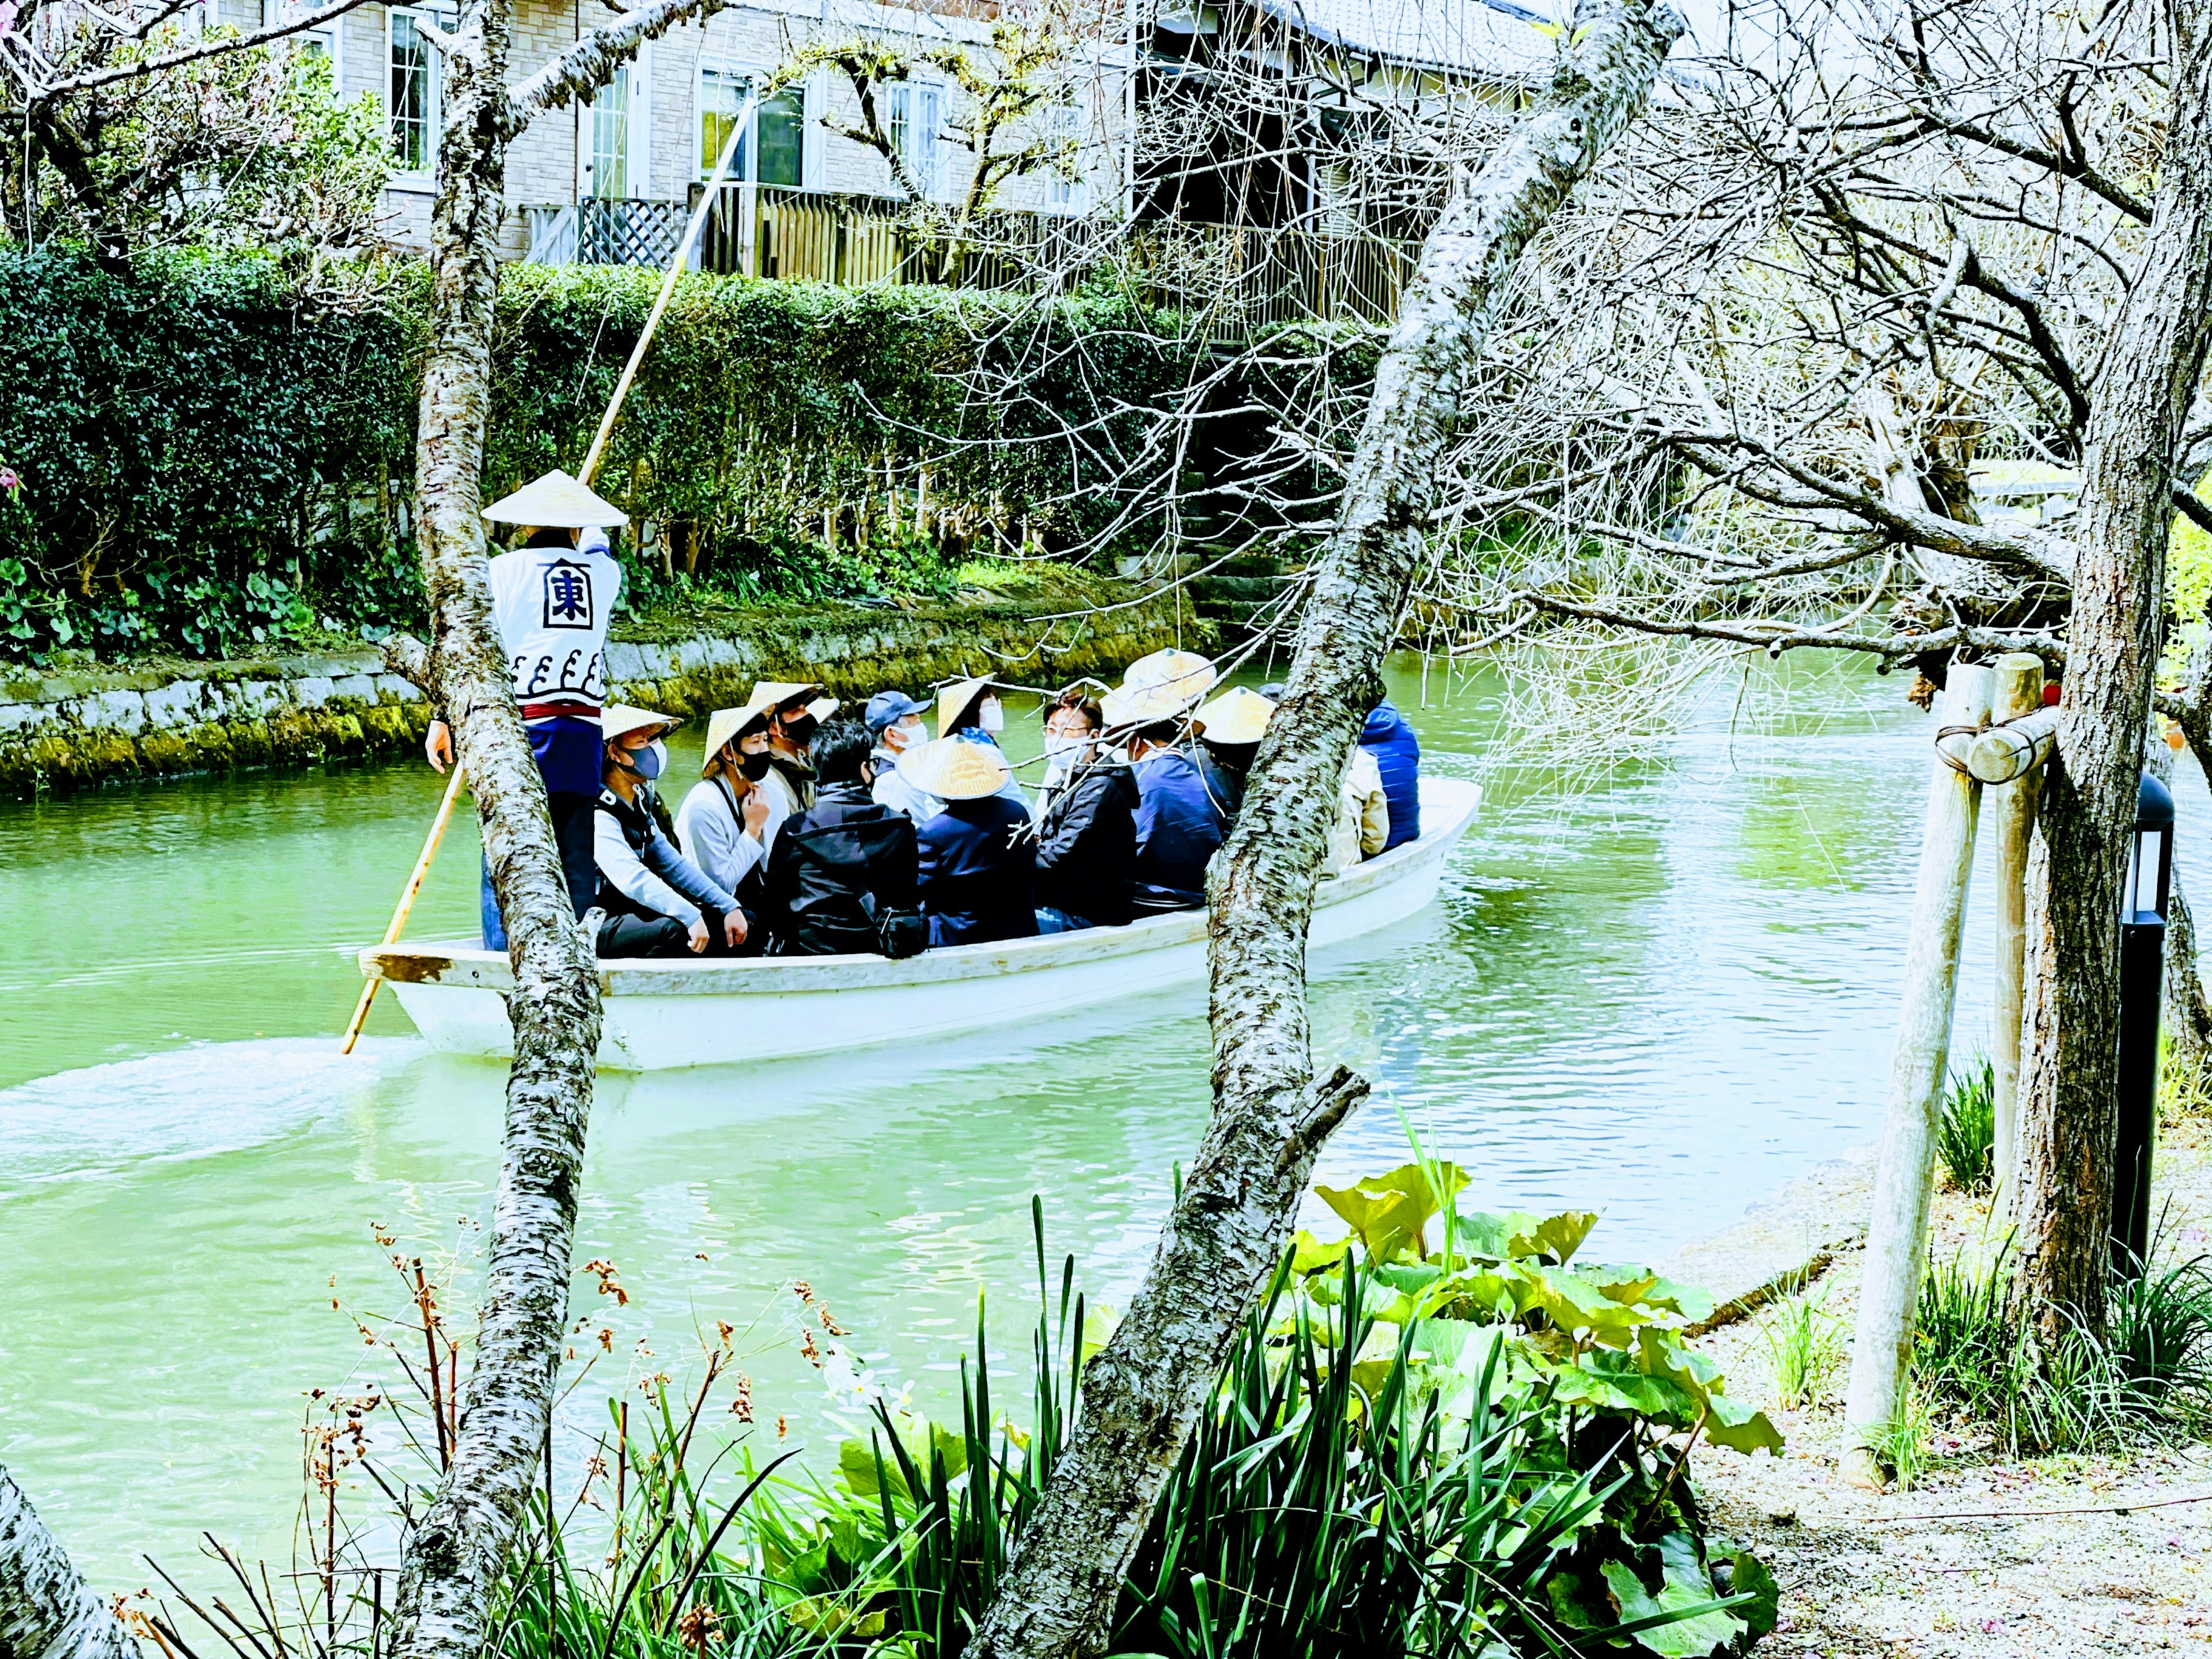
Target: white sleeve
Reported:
point(713, 840)
point(622, 866)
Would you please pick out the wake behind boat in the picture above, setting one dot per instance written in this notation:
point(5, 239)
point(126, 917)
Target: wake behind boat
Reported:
point(668, 1013)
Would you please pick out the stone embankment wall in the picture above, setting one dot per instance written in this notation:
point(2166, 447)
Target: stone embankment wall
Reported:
point(63, 731)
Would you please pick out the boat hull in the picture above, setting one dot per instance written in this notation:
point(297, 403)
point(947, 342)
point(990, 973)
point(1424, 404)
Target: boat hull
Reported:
point(667, 1014)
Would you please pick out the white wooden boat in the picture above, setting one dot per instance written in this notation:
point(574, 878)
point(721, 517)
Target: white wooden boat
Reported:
point(666, 1013)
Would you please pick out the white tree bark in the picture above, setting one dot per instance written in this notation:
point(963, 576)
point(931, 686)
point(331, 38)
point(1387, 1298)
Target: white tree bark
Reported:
point(1142, 1394)
point(454, 1553)
point(46, 1609)
point(2019, 691)
point(1896, 1240)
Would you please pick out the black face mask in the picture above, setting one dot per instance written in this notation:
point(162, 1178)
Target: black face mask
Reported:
point(755, 767)
point(801, 732)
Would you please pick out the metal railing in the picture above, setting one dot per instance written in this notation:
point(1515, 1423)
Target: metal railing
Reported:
point(1242, 277)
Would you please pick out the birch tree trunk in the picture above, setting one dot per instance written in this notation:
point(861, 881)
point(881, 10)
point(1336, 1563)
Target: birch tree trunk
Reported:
point(1143, 1392)
point(46, 1609)
point(2068, 1122)
point(454, 1552)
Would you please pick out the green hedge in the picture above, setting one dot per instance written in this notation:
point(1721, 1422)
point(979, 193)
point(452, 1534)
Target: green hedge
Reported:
point(210, 466)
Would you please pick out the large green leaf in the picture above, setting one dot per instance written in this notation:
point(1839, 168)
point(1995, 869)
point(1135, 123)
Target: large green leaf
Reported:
point(1693, 1627)
point(1748, 1575)
point(1573, 1304)
point(1478, 1232)
point(1557, 1236)
point(1390, 1212)
point(1740, 1427)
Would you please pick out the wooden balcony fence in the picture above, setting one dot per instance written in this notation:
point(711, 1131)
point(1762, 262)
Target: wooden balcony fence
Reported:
point(1239, 278)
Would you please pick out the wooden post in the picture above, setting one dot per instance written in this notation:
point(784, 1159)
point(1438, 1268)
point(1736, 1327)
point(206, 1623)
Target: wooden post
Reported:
point(1897, 1242)
point(2019, 691)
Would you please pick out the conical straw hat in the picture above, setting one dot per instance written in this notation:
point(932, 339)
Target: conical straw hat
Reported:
point(1144, 705)
point(1237, 715)
point(555, 502)
point(725, 724)
point(955, 769)
point(619, 719)
point(953, 700)
point(775, 694)
point(1185, 671)
point(822, 707)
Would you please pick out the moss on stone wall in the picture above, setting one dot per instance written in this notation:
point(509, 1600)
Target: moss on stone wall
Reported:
point(853, 652)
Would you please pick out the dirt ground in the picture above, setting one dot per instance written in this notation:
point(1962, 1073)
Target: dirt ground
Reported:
point(1973, 1563)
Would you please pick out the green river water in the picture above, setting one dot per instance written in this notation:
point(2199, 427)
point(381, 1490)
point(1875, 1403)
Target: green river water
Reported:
point(1658, 999)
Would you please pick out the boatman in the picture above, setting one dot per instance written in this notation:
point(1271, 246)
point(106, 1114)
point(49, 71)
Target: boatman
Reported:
point(551, 598)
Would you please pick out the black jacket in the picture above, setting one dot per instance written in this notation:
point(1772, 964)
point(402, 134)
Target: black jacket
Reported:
point(978, 861)
point(833, 868)
point(1086, 854)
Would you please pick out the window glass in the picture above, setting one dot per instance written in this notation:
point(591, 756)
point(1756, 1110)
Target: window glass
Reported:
point(782, 126)
point(917, 117)
point(609, 118)
point(721, 95)
point(1064, 185)
point(413, 109)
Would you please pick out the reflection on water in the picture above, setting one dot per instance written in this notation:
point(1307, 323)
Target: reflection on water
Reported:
point(1658, 999)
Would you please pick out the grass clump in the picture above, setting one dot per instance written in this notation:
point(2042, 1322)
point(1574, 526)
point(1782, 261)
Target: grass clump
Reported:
point(1983, 1364)
point(1804, 1346)
point(1967, 1132)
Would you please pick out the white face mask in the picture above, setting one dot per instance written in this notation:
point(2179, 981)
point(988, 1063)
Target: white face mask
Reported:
point(905, 734)
point(1063, 752)
point(991, 717)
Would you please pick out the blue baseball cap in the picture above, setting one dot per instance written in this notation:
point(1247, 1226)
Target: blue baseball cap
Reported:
point(887, 709)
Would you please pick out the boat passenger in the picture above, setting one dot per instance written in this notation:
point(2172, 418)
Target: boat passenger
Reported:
point(893, 720)
point(846, 867)
point(1179, 826)
point(1389, 738)
point(978, 856)
point(796, 709)
point(1072, 723)
point(1185, 674)
point(656, 901)
point(550, 598)
point(1362, 815)
point(729, 820)
point(1087, 849)
point(971, 709)
point(1230, 729)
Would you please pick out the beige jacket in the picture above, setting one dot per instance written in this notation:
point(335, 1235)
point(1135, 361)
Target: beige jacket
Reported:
point(1363, 817)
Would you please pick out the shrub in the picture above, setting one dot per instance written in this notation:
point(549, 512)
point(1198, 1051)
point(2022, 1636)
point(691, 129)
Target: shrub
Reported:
point(1966, 1135)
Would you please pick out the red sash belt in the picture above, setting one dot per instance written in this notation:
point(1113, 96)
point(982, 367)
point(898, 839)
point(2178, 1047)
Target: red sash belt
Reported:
point(546, 711)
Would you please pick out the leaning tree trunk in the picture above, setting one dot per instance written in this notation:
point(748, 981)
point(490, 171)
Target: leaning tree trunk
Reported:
point(46, 1609)
point(2068, 1094)
point(454, 1552)
point(1144, 1393)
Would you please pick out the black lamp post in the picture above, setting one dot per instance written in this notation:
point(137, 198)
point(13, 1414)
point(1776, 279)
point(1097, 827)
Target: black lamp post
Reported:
point(2142, 963)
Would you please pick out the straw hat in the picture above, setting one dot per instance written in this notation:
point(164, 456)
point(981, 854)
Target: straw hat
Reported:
point(1237, 715)
point(1185, 671)
point(955, 769)
point(725, 725)
point(821, 708)
point(619, 719)
point(775, 694)
point(1143, 705)
point(952, 701)
point(555, 502)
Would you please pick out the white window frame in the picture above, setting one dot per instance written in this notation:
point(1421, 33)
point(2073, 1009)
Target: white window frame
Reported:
point(728, 70)
point(331, 34)
point(424, 177)
point(923, 154)
point(1065, 130)
point(637, 142)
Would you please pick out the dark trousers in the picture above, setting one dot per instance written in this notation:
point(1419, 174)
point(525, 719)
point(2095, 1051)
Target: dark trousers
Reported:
point(574, 818)
point(635, 936)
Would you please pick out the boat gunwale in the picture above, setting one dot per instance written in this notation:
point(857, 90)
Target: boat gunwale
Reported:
point(433, 963)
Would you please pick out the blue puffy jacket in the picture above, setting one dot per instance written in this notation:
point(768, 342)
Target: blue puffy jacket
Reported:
point(1179, 827)
point(1398, 753)
point(978, 861)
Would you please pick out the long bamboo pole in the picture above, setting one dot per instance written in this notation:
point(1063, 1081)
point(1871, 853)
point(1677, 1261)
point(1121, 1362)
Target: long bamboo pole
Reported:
point(407, 901)
point(592, 456)
point(591, 465)
point(2019, 691)
point(1896, 1240)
